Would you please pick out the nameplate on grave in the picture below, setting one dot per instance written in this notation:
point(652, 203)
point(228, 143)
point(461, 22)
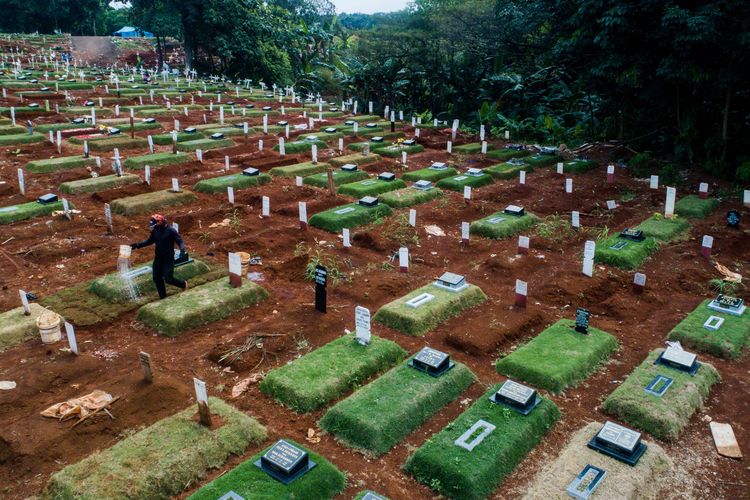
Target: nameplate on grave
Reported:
point(349, 167)
point(583, 486)
point(78, 121)
point(282, 123)
point(424, 185)
point(369, 495)
point(285, 462)
point(451, 282)
point(249, 106)
point(679, 359)
point(475, 172)
point(149, 120)
point(377, 139)
point(88, 104)
point(34, 105)
point(632, 234)
point(518, 397)
point(113, 130)
point(231, 495)
point(619, 245)
point(267, 108)
point(321, 276)
point(409, 142)
point(419, 300)
point(432, 362)
point(217, 135)
point(387, 176)
point(658, 386)
point(345, 210)
point(438, 166)
point(547, 150)
point(230, 103)
point(371, 125)
point(477, 433)
point(496, 220)
point(713, 323)
point(727, 304)
point(311, 138)
point(618, 442)
point(47, 199)
point(516, 162)
point(251, 171)
point(349, 123)
point(582, 320)
point(330, 130)
point(190, 130)
point(514, 210)
point(460, 178)
point(368, 201)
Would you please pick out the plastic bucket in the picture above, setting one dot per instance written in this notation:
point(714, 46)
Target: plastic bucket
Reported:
point(244, 261)
point(49, 327)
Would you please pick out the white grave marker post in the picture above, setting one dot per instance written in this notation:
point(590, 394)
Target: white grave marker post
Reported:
point(467, 193)
point(560, 167)
point(568, 186)
point(201, 395)
point(13, 116)
point(302, 215)
point(265, 124)
point(66, 209)
point(315, 154)
point(449, 147)
point(175, 185)
point(669, 204)
point(266, 207)
point(362, 325)
point(654, 182)
point(403, 259)
point(412, 217)
point(71, 334)
point(108, 218)
point(610, 174)
point(611, 204)
point(465, 233)
point(341, 144)
point(481, 132)
point(522, 177)
point(484, 147)
point(523, 245)
point(746, 197)
point(25, 302)
point(145, 360)
point(589, 250)
point(507, 135)
point(147, 174)
point(346, 237)
point(235, 270)
point(260, 145)
point(199, 155)
point(226, 163)
point(706, 245)
point(403, 157)
point(703, 190)
point(639, 282)
point(521, 293)
point(298, 181)
point(575, 219)
point(230, 195)
point(282, 147)
point(150, 144)
point(21, 183)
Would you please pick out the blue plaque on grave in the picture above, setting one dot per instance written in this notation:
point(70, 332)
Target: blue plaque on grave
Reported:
point(619, 245)
point(583, 486)
point(658, 386)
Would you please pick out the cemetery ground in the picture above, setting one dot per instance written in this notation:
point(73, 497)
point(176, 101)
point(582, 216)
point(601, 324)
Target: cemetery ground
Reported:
point(56, 259)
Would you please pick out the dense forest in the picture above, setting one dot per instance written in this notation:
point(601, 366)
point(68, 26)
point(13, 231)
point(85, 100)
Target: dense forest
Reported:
point(668, 78)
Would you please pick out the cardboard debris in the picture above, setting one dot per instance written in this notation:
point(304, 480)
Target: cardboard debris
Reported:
point(434, 230)
point(726, 443)
point(729, 276)
point(243, 384)
point(311, 436)
point(80, 407)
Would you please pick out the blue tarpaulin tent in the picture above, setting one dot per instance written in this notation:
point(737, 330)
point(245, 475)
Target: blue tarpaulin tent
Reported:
point(130, 32)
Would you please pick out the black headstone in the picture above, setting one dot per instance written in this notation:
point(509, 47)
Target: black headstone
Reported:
point(321, 280)
point(518, 397)
point(733, 218)
point(47, 198)
point(285, 462)
point(432, 362)
point(582, 320)
point(632, 234)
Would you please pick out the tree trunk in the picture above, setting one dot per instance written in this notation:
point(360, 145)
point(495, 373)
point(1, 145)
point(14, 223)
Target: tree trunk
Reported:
point(159, 52)
point(725, 123)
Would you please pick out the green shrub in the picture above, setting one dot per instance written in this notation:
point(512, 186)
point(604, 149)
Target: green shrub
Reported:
point(360, 215)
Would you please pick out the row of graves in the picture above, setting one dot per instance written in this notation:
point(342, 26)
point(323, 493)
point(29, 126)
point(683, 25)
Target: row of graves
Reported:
point(370, 392)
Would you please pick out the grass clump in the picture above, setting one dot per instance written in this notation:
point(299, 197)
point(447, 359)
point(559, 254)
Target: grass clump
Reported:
point(94, 184)
point(507, 154)
point(694, 207)
point(403, 399)
point(355, 159)
point(299, 169)
point(630, 256)
point(410, 196)
point(662, 228)
point(559, 357)
point(458, 182)
point(666, 416)
point(334, 222)
point(428, 174)
point(15, 213)
point(55, 164)
point(236, 181)
point(161, 460)
point(726, 342)
point(370, 187)
point(323, 482)
point(148, 202)
point(339, 177)
point(204, 144)
point(156, 160)
point(500, 225)
point(417, 321)
point(199, 306)
point(326, 373)
point(457, 473)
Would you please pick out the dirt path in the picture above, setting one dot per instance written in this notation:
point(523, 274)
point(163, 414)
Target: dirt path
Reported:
point(94, 49)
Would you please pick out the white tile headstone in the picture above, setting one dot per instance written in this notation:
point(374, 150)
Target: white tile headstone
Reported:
point(362, 324)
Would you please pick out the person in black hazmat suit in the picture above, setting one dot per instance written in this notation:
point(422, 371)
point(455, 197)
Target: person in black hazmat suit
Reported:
point(164, 238)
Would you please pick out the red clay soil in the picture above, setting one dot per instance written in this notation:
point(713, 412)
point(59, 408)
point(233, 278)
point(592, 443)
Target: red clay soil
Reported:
point(47, 254)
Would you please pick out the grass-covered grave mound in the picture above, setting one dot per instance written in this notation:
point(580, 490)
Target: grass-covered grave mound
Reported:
point(695, 207)
point(578, 166)
point(349, 216)
point(378, 416)
point(12, 139)
point(204, 144)
point(296, 147)
point(149, 202)
point(119, 142)
point(299, 169)
point(395, 150)
point(55, 164)
point(504, 171)
point(370, 187)
point(95, 184)
point(326, 373)
point(542, 160)
point(16, 328)
point(167, 139)
point(501, 225)
point(559, 357)
point(23, 211)
point(644, 480)
point(662, 228)
point(161, 460)
point(472, 148)
point(419, 318)
point(506, 154)
point(355, 159)
point(114, 288)
point(458, 182)
point(339, 177)
point(429, 174)
point(156, 160)
point(410, 196)
point(458, 473)
point(725, 342)
point(324, 481)
point(236, 181)
point(199, 306)
point(624, 253)
point(664, 416)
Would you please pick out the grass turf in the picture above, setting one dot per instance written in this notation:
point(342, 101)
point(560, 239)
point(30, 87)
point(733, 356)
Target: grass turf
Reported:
point(326, 373)
point(24, 211)
point(339, 177)
point(630, 256)
point(360, 215)
point(46, 127)
point(402, 399)
point(156, 160)
point(205, 144)
point(122, 142)
point(417, 321)
point(559, 357)
point(541, 160)
point(355, 159)
point(395, 150)
point(199, 306)
point(159, 461)
point(663, 229)
point(505, 228)
point(16, 327)
point(578, 166)
point(666, 416)
point(166, 139)
point(409, 196)
point(458, 182)
point(295, 147)
point(94, 184)
point(428, 174)
point(726, 342)
point(458, 473)
point(370, 187)
point(507, 170)
point(507, 154)
point(694, 207)
point(360, 146)
point(471, 148)
point(12, 139)
point(148, 202)
point(300, 169)
point(323, 482)
point(237, 181)
point(12, 130)
point(55, 164)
